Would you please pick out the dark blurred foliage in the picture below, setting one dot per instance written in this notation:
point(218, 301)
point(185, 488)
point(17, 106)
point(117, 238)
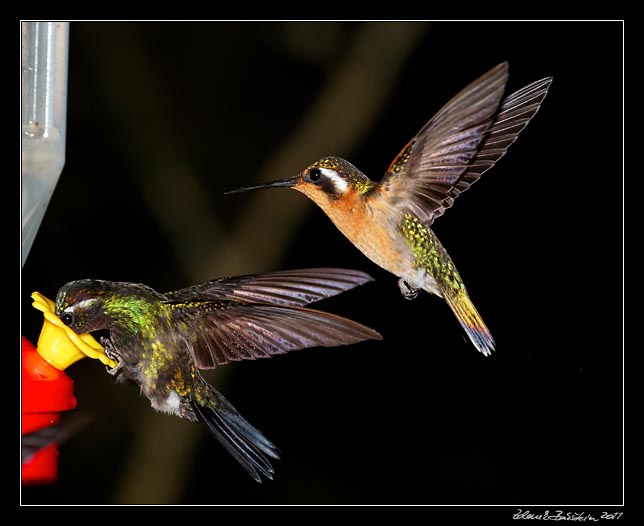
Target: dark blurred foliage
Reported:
point(165, 117)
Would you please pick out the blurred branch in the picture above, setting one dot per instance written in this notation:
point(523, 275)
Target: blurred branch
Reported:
point(173, 193)
point(347, 106)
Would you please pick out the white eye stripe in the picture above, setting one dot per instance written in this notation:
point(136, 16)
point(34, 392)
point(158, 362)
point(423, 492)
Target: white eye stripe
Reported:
point(81, 305)
point(340, 184)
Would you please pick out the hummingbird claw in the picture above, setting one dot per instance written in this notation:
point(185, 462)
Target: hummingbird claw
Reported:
point(114, 370)
point(408, 292)
point(111, 353)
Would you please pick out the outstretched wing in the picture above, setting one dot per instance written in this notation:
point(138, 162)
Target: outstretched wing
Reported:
point(513, 116)
point(462, 141)
point(221, 332)
point(289, 288)
point(249, 317)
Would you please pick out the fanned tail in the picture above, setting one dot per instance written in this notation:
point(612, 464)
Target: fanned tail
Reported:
point(245, 443)
point(470, 319)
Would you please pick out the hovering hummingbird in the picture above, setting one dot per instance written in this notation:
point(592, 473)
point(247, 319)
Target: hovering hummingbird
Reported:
point(160, 341)
point(390, 220)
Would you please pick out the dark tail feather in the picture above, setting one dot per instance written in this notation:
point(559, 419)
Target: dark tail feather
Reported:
point(240, 439)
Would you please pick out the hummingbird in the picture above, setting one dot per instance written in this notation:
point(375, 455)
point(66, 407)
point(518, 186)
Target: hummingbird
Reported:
point(160, 341)
point(390, 221)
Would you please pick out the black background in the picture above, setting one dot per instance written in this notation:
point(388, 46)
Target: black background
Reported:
point(420, 417)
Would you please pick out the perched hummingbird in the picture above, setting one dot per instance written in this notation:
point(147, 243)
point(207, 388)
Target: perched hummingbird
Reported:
point(390, 220)
point(160, 341)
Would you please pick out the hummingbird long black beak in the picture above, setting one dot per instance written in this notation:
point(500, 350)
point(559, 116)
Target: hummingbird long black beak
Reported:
point(288, 183)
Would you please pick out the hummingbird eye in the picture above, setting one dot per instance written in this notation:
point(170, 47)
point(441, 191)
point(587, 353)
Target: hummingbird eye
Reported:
point(315, 174)
point(67, 318)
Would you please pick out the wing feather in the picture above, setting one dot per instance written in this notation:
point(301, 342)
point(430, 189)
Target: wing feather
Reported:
point(461, 142)
point(289, 288)
point(234, 331)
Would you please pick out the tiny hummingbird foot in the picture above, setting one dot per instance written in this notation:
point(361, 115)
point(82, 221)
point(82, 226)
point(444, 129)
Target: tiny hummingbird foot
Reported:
point(111, 353)
point(408, 292)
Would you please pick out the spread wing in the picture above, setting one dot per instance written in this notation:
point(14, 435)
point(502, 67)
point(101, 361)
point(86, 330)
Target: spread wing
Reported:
point(250, 317)
point(462, 141)
point(289, 287)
